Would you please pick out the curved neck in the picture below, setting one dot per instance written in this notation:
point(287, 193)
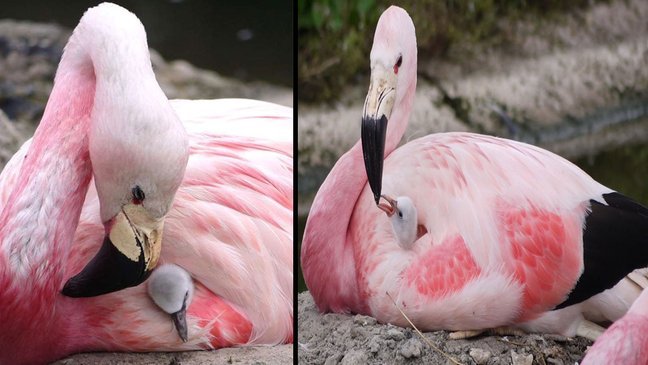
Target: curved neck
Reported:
point(327, 256)
point(41, 214)
point(327, 259)
point(38, 223)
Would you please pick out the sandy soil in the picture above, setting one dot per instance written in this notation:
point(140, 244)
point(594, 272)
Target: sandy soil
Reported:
point(271, 355)
point(344, 339)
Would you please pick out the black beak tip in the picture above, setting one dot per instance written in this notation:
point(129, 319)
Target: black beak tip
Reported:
point(373, 134)
point(73, 288)
point(180, 322)
point(107, 272)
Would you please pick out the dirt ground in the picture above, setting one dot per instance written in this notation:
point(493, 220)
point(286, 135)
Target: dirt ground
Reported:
point(344, 339)
point(266, 355)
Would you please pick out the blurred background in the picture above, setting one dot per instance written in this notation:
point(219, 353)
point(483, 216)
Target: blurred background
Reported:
point(569, 76)
point(249, 40)
point(200, 49)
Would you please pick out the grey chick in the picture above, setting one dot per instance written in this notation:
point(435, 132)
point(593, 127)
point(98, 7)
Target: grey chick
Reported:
point(171, 289)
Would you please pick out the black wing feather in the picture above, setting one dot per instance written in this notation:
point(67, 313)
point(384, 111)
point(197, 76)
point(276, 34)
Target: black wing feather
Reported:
point(615, 242)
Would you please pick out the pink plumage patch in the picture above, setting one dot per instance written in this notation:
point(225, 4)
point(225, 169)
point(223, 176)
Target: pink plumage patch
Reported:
point(228, 326)
point(544, 255)
point(443, 269)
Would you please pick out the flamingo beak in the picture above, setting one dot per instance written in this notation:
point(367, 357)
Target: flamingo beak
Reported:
point(130, 251)
point(389, 209)
point(180, 320)
point(377, 110)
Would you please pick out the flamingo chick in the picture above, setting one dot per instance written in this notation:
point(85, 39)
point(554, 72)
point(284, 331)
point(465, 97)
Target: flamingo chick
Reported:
point(170, 287)
point(516, 235)
point(403, 218)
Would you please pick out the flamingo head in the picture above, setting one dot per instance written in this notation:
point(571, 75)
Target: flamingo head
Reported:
point(139, 153)
point(393, 62)
point(403, 217)
point(170, 287)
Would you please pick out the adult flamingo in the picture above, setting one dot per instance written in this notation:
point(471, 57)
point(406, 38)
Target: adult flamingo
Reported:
point(625, 342)
point(509, 234)
point(229, 226)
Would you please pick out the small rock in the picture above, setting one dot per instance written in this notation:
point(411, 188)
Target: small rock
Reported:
point(357, 332)
point(411, 348)
point(553, 361)
point(387, 343)
point(374, 344)
point(521, 359)
point(553, 351)
point(480, 356)
point(395, 334)
point(454, 347)
point(364, 320)
point(354, 357)
point(333, 359)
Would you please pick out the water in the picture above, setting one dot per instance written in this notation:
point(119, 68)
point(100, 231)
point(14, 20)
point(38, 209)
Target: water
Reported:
point(249, 40)
point(623, 169)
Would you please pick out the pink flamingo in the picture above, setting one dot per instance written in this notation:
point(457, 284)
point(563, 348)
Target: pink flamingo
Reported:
point(506, 234)
point(229, 165)
point(625, 342)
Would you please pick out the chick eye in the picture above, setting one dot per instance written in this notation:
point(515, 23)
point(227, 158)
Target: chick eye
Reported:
point(138, 195)
point(398, 64)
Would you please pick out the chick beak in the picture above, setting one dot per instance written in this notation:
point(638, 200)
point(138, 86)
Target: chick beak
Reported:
point(389, 209)
point(180, 320)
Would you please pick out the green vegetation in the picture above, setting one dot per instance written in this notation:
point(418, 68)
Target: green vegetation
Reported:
point(335, 36)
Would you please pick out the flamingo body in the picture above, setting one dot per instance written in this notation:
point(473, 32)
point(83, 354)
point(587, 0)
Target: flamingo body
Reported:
point(513, 234)
point(229, 227)
point(487, 229)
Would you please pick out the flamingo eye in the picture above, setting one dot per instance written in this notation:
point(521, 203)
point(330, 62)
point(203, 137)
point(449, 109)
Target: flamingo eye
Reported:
point(400, 214)
point(138, 195)
point(398, 64)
